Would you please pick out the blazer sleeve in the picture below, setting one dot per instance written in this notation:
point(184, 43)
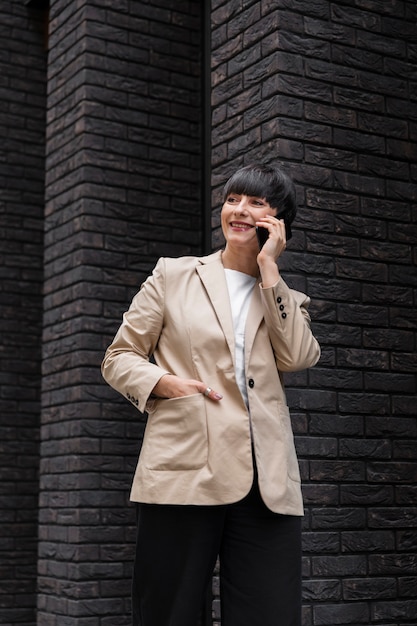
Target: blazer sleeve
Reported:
point(126, 366)
point(288, 323)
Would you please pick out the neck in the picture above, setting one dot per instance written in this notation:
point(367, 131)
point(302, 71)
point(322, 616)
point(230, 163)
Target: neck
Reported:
point(240, 263)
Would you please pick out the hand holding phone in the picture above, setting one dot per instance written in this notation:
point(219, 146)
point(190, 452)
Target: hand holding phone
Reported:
point(263, 233)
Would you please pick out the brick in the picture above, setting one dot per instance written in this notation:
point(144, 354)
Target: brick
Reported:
point(405, 233)
point(395, 610)
point(322, 70)
point(300, 399)
point(390, 127)
point(295, 86)
point(367, 541)
point(329, 244)
point(319, 590)
point(269, 108)
point(364, 271)
point(315, 8)
point(326, 495)
point(404, 449)
point(354, 57)
point(330, 157)
point(335, 378)
point(336, 470)
point(379, 43)
point(404, 362)
point(402, 318)
point(369, 589)
point(316, 446)
point(295, 41)
point(389, 339)
point(352, 494)
point(328, 199)
point(320, 542)
point(363, 403)
point(394, 472)
point(404, 405)
point(330, 615)
point(369, 448)
point(360, 99)
point(353, 357)
point(360, 141)
point(389, 564)
point(406, 540)
point(330, 565)
point(336, 425)
point(407, 586)
point(368, 315)
point(299, 263)
point(329, 31)
point(357, 17)
point(405, 494)
point(382, 517)
point(341, 289)
point(391, 426)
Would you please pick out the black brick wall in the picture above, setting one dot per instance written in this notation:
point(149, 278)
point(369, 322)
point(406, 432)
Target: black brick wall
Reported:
point(122, 188)
point(22, 131)
point(329, 90)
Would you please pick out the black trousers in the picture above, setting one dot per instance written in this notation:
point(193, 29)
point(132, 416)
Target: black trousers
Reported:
point(177, 549)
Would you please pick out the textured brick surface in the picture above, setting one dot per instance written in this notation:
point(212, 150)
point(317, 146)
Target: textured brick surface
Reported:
point(22, 144)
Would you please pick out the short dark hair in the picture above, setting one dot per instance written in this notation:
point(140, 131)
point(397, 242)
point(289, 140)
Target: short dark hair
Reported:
point(265, 181)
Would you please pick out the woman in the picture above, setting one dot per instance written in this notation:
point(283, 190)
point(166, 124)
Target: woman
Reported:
point(218, 473)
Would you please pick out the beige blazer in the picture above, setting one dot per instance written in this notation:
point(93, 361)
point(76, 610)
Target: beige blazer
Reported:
point(195, 450)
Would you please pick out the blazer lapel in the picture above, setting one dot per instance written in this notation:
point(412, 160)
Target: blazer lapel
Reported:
point(212, 276)
point(255, 316)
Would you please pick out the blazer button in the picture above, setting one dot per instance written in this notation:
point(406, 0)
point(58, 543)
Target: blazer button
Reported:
point(279, 299)
point(283, 315)
point(251, 383)
point(281, 307)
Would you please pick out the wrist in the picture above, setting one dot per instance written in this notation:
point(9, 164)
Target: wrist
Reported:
point(269, 273)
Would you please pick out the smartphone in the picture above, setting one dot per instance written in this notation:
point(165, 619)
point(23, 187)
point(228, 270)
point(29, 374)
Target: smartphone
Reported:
point(263, 233)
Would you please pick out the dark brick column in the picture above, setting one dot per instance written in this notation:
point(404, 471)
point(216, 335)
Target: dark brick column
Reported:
point(123, 188)
point(329, 90)
point(22, 129)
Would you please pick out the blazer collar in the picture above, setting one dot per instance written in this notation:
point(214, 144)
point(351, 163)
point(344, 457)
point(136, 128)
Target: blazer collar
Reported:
point(211, 272)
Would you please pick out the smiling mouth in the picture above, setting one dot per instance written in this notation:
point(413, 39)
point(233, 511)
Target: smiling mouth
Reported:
point(241, 225)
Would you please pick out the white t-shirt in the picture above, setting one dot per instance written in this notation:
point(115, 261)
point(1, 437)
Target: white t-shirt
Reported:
point(240, 288)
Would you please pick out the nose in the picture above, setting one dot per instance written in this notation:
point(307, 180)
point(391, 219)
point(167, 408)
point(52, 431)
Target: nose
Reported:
point(241, 206)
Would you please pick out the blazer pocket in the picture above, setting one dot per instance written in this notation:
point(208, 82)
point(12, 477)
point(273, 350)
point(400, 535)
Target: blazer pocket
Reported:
point(176, 434)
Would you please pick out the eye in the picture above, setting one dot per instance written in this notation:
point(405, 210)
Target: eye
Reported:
point(258, 202)
point(232, 199)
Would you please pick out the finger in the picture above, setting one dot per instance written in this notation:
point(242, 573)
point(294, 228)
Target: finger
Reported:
point(210, 393)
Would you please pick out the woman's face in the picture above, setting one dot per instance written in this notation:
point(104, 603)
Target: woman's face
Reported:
point(239, 216)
